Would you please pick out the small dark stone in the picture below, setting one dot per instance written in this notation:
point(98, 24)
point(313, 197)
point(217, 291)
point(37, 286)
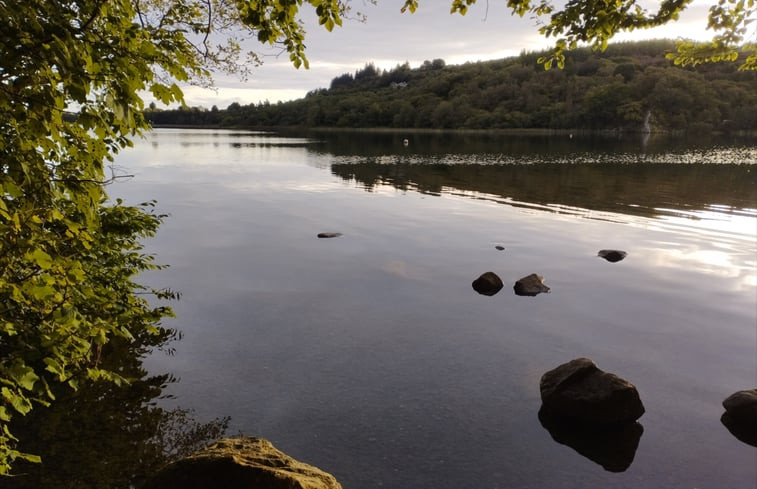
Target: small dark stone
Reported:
point(488, 283)
point(530, 285)
point(329, 235)
point(578, 392)
point(500, 247)
point(612, 255)
point(740, 415)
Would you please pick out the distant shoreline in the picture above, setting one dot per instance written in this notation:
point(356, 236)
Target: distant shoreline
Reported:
point(418, 130)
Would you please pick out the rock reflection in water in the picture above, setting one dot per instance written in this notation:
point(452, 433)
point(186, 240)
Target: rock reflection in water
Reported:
point(104, 435)
point(613, 448)
point(743, 431)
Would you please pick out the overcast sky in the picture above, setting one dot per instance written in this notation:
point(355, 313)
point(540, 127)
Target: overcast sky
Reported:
point(388, 38)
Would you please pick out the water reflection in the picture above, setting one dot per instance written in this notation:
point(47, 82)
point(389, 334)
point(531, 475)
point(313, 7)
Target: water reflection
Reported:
point(272, 143)
point(235, 139)
point(743, 430)
point(371, 357)
point(640, 189)
point(612, 448)
point(108, 436)
point(656, 147)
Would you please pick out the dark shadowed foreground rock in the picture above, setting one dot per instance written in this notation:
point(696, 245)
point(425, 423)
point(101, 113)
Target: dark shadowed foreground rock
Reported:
point(488, 283)
point(241, 463)
point(612, 255)
point(579, 393)
point(740, 415)
point(613, 448)
point(329, 235)
point(530, 285)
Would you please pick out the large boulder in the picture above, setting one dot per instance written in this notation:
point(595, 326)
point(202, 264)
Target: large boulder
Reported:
point(488, 283)
point(579, 393)
point(237, 463)
point(530, 285)
point(740, 415)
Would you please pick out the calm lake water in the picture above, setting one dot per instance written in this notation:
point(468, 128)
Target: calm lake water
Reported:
point(370, 355)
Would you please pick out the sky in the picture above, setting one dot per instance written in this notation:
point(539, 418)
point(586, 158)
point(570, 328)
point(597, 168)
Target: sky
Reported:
point(388, 38)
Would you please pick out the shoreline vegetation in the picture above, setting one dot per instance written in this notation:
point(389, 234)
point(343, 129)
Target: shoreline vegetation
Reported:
point(629, 88)
point(535, 131)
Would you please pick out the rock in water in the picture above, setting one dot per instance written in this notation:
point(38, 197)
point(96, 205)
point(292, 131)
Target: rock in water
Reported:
point(612, 255)
point(241, 463)
point(329, 235)
point(578, 392)
point(530, 285)
point(742, 404)
point(740, 415)
point(488, 283)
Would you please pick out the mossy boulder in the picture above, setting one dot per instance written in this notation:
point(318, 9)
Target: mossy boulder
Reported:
point(241, 463)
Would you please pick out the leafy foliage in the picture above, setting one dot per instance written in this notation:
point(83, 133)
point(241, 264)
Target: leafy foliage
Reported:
point(71, 78)
point(578, 23)
point(731, 19)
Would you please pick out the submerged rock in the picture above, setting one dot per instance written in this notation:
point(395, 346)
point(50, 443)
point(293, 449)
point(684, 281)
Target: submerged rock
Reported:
point(579, 393)
point(329, 235)
point(740, 415)
point(612, 255)
point(613, 448)
point(241, 463)
point(530, 285)
point(488, 283)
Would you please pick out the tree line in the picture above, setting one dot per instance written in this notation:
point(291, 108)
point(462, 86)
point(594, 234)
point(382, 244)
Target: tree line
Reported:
point(619, 89)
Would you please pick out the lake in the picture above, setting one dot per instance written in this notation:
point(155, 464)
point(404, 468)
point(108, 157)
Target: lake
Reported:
point(371, 356)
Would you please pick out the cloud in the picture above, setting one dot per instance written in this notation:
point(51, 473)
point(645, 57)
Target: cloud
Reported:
point(388, 38)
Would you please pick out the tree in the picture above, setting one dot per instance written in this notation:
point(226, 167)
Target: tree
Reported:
point(71, 77)
point(596, 22)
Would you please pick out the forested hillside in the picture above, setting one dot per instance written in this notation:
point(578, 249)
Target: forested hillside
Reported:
point(622, 88)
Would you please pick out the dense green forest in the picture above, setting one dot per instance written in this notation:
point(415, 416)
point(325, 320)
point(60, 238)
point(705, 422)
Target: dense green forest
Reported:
point(618, 89)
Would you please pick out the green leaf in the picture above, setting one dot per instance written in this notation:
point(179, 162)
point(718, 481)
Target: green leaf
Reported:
point(42, 259)
point(35, 459)
point(19, 402)
point(23, 376)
